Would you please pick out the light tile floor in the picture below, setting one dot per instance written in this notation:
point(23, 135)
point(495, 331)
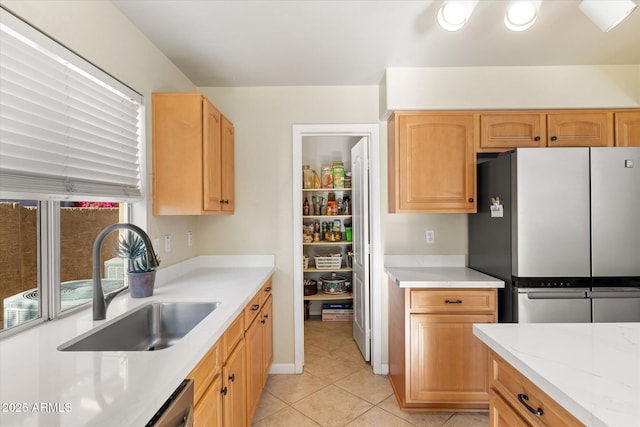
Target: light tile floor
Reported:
point(338, 388)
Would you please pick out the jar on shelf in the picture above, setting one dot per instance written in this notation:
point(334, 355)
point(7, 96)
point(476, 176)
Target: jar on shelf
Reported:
point(326, 177)
point(338, 175)
point(347, 180)
point(307, 177)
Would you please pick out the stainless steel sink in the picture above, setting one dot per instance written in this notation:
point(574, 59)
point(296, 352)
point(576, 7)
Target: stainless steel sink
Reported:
point(153, 326)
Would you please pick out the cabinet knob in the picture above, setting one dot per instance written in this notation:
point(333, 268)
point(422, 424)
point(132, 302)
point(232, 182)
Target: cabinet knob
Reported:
point(255, 307)
point(266, 316)
point(224, 202)
point(232, 377)
point(537, 138)
point(267, 289)
point(554, 138)
point(470, 199)
point(224, 391)
point(523, 398)
point(263, 321)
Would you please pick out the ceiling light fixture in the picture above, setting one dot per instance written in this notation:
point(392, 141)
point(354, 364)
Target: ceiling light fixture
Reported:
point(606, 14)
point(453, 14)
point(521, 15)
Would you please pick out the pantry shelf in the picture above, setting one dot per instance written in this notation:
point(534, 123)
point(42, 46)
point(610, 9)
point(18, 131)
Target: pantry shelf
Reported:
point(327, 243)
point(316, 190)
point(316, 270)
point(328, 297)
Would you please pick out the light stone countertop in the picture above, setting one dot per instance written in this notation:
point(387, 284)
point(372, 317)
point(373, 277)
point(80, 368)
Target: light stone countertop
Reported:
point(591, 369)
point(41, 386)
point(436, 271)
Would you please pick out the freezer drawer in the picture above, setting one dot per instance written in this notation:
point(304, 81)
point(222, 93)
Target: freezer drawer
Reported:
point(615, 305)
point(553, 306)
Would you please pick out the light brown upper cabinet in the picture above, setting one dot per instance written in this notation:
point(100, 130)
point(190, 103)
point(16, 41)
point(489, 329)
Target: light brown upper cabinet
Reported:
point(627, 128)
point(505, 130)
point(580, 129)
point(432, 164)
point(193, 160)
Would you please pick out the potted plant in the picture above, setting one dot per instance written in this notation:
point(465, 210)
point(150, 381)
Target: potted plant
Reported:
point(140, 272)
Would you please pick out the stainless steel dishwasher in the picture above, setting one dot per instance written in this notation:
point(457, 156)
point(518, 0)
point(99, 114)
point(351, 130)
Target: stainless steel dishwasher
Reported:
point(177, 410)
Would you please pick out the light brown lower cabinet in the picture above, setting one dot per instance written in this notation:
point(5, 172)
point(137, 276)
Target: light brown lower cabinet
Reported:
point(435, 361)
point(208, 411)
point(229, 379)
point(516, 401)
point(234, 387)
point(259, 349)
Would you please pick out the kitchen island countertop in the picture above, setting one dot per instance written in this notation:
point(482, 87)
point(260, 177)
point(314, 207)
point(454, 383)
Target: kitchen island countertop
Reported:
point(42, 386)
point(591, 369)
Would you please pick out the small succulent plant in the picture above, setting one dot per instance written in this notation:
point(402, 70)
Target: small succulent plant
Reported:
point(132, 248)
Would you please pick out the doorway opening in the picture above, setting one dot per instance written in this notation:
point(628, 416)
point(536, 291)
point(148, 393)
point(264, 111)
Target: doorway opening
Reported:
point(357, 148)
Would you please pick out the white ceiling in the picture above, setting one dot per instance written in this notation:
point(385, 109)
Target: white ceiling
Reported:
point(347, 42)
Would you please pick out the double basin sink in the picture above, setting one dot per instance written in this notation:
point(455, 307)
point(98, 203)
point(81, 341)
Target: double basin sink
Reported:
point(153, 326)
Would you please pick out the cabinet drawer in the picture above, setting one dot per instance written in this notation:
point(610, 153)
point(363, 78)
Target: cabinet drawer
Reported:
point(265, 291)
point(205, 371)
point(452, 301)
point(517, 390)
point(252, 309)
point(232, 336)
point(503, 415)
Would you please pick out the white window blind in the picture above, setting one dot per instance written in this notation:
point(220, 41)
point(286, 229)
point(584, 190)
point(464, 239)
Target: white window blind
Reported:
point(68, 130)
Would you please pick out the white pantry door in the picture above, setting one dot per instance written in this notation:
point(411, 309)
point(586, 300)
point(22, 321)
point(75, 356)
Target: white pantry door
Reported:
point(360, 230)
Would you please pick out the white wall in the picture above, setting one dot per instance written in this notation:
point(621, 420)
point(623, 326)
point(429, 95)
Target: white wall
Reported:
point(97, 31)
point(610, 86)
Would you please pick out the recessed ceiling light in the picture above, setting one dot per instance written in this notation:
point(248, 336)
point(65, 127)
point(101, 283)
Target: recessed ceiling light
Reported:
point(453, 14)
point(521, 15)
point(607, 14)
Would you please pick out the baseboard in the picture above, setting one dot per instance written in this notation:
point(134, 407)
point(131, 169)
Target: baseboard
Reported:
point(282, 369)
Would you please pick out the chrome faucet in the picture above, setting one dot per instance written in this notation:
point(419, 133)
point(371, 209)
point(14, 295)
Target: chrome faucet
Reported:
point(100, 301)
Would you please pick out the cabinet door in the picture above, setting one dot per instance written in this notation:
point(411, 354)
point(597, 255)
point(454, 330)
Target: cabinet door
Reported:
point(211, 150)
point(227, 167)
point(432, 167)
point(253, 339)
point(448, 363)
point(208, 411)
point(234, 401)
point(515, 130)
point(593, 129)
point(628, 129)
point(177, 154)
point(267, 338)
point(502, 415)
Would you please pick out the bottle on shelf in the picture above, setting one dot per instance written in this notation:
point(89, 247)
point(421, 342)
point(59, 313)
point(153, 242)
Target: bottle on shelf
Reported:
point(305, 207)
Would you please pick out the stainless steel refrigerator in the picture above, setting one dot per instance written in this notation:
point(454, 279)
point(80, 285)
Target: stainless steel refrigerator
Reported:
point(561, 227)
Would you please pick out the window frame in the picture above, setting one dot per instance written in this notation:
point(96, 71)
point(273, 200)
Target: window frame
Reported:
point(48, 224)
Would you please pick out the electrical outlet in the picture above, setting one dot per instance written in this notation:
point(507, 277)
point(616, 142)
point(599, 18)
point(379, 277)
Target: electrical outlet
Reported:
point(189, 238)
point(167, 243)
point(431, 236)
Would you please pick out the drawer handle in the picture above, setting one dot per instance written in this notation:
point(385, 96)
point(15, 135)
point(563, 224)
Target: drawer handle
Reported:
point(457, 301)
point(267, 289)
point(523, 398)
point(255, 307)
